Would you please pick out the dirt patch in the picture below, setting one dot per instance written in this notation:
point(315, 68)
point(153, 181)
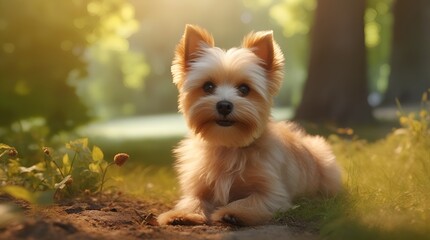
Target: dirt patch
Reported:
point(118, 217)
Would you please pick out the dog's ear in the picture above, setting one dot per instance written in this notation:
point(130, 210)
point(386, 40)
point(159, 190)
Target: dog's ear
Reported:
point(264, 47)
point(194, 39)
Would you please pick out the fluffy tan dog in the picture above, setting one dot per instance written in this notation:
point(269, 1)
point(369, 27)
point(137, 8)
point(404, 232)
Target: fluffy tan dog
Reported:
point(238, 166)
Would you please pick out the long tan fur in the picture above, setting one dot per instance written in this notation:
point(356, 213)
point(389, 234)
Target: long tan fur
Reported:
point(245, 169)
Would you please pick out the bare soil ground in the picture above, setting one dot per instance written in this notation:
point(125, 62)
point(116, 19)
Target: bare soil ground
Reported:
point(118, 217)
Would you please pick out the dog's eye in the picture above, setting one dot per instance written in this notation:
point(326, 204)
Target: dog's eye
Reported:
point(209, 87)
point(243, 90)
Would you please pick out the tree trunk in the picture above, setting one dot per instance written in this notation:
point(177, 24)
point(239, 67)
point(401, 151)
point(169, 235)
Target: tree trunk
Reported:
point(336, 88)
point(410, 54)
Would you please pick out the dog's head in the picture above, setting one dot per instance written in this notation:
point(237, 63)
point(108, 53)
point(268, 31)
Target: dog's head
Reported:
point(226, 96)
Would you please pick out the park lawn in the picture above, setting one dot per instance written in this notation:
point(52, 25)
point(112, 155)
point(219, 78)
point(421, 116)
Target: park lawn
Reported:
point(149, 173)
point(386, 184)
point(386, 189)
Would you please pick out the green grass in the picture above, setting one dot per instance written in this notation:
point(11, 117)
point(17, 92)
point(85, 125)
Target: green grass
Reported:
point(146, 152)
point(148, 174)
point(386, 187)
point(146, 182)
point(386, 175)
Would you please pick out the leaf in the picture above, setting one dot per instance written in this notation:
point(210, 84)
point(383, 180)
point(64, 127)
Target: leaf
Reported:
point(103, 165)
point(94, 167)
point(84, 142)
point(97, 154)
point(62, 184)
point(66, 163)
point(4, 146)
point(19, 192)
point(66, 160)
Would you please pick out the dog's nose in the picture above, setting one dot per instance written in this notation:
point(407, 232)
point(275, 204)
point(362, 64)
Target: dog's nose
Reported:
point(224, 107)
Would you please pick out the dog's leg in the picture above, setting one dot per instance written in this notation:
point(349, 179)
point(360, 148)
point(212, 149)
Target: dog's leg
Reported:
point(181, 217)
point(254, 210)
point(188, 211)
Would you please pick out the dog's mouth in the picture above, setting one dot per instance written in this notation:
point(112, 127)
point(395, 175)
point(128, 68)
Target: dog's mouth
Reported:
point(224, 123)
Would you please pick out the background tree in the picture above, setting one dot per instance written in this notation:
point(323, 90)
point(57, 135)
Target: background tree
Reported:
point(336, 87)
point(295, 18)
point(116, 74)
point(41, 42)
point(410, 52)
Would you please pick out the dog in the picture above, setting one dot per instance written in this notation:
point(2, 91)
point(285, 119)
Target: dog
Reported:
point(237, 166)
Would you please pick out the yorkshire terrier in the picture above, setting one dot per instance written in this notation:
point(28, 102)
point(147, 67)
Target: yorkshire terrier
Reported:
point(238, 166)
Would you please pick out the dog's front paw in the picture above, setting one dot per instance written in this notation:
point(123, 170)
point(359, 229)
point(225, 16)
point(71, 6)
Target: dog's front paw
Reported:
point(230, 219)
point(224, 218)
point(175, 217)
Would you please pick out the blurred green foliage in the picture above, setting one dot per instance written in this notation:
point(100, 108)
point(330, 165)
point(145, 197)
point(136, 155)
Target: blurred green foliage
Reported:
point(71, 61)
point(115, 80)
point(41, 43)
point(378, 29)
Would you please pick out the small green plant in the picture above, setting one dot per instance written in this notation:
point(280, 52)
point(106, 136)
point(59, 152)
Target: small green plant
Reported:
point(69, 171)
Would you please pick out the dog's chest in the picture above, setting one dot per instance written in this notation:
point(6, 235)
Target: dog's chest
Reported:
point(235, 179)
point(229, 188)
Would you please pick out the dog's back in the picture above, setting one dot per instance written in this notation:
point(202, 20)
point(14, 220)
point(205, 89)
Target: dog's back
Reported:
point(318, 168)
